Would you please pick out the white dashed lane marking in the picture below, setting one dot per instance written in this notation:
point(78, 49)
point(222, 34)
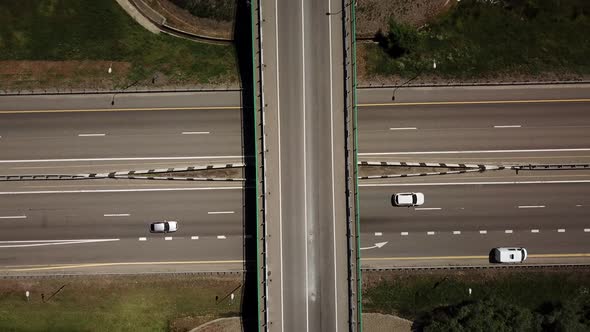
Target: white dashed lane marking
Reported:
point(483, 232)
point(427, 209)
point(430, 233)
point(168, 238)
point(531, 206)
point(13, 217)
point(195, 132)
point(194, 237)
point(221, 237)
point(142, 239)
point(116, 214)
point(456, 232)
point(586, 230)
point(508, 231)
point(404, 233)
point(404, 128)
point(220, 212)
point(534, 231)
point(508, 126)
point(378, 234)
point(91, 135)
point(561, 230)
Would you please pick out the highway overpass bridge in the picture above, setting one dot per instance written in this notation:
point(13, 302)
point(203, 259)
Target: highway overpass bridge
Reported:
point(307, 153)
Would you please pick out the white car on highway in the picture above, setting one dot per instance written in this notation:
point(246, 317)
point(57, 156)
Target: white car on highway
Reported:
point(164, 227)
point(407, 199)
point(509, 255)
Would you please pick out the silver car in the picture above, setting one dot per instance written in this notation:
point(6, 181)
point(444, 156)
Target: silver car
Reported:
point(164, 227)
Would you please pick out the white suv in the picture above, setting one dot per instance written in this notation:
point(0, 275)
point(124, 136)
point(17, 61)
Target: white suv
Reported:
point(509, 255)
point(407, 199)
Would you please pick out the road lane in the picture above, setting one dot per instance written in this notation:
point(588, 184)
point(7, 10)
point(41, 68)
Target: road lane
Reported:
point(82, 215)
point(126, 135)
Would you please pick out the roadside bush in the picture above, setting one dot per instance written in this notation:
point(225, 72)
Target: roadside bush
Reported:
point(478, 38)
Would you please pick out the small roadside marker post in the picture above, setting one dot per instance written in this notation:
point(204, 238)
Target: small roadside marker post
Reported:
point(27, 294)
point(469, 291)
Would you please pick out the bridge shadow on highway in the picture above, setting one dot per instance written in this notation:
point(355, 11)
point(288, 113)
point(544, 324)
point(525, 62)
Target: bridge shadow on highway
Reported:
point(243, 45)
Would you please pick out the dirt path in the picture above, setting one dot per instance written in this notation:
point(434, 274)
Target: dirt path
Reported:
point(137, 16)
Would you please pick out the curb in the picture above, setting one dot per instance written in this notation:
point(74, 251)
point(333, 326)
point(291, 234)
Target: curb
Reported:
point(427, 85)
point(475, 267)
point(134, 174)
point(406, 164)
point(418, 174)
point(45, 92)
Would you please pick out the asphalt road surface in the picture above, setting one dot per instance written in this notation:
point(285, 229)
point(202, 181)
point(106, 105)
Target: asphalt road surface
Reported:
point(305, 166)
point(549, 132)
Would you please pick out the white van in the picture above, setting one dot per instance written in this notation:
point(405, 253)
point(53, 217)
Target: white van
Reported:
point(509, 255)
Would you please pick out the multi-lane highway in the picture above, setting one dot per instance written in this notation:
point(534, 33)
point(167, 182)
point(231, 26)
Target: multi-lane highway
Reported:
point(465, 215)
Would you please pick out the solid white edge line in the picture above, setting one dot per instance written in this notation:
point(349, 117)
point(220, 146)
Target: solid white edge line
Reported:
point(304, 84)
point(332, 166)
point(86, 191)
point(470, 151)
point(13, 217)
point(67, 240)
point(282, 323)
point(469, 183)
point(278, 84)
point(116, 159)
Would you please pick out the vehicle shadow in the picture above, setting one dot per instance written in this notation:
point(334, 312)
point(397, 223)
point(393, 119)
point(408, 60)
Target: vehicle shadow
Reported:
point(243, 47)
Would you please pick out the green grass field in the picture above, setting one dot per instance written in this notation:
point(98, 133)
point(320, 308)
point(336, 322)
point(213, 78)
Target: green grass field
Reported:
point(133, 303)
point(102, 32)
point(412, 294)
point(477, 39)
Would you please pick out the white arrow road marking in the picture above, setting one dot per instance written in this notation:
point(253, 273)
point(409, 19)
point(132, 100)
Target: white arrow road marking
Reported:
point(377, 245)
point(38, 243)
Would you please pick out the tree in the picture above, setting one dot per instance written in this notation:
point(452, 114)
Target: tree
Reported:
point(402, 39)
point(481, 315)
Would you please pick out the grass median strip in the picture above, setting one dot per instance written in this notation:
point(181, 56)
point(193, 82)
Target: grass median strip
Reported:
point(116, 303)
